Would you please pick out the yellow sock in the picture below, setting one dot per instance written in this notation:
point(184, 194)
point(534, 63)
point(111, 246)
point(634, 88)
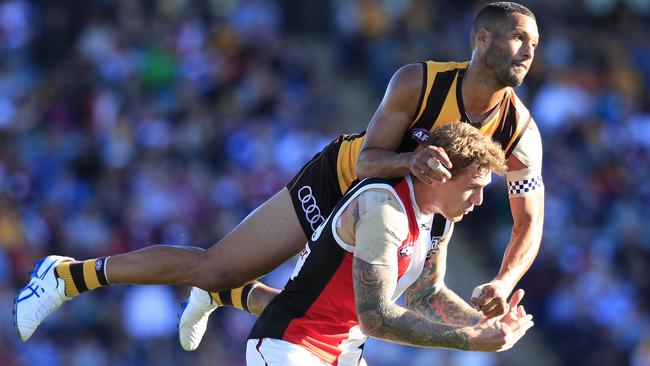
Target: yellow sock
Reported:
point(237, 298)
point(82, 276)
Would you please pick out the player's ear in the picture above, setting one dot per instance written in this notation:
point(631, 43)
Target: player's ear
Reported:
point(482, 39)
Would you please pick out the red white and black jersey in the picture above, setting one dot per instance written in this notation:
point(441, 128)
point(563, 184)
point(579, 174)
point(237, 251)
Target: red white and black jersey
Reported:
point(316, 309)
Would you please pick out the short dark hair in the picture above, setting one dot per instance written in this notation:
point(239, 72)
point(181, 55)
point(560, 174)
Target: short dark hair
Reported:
point(494, 13)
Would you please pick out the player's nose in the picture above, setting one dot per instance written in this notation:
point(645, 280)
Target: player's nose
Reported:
point(477, 198)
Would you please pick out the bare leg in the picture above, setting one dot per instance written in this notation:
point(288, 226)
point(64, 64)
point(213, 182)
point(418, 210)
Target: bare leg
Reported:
point(260, 297)
point(265, 239)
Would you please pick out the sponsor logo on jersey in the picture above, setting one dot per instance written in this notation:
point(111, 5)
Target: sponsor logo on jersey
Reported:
point(98, 264)
point(310, 207)
point(406, 250)
point(420, 135)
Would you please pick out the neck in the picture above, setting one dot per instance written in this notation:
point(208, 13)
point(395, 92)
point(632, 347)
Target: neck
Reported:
point(480, 92)
point(426, 197)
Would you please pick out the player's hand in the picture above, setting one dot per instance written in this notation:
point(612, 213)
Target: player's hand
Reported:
point(515, 311)
point(501, 333)
point(431, 164)
point(490, 298)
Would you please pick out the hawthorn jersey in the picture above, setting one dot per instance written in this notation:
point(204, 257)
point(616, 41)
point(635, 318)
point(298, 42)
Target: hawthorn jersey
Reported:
point(316, 309)
point(319, 185)
point(441, 103)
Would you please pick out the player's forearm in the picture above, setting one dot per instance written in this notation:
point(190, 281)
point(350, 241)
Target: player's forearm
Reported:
point(396, 324)
point(383, 164)
point(443, 306)
point(379, 317)
point(520, 253)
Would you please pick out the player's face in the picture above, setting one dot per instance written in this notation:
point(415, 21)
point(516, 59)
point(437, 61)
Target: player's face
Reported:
point(511, 50)
point(463, 192)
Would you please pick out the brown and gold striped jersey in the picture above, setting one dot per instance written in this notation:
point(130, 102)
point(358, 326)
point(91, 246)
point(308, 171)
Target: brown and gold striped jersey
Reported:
point(440, 103)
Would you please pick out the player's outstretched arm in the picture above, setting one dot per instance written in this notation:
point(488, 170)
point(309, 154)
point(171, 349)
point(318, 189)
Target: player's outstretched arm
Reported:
point(378, 227)
point(528, 216)
point(526, 192)
point(430, 297)
point(445, 306)
point(381, 318)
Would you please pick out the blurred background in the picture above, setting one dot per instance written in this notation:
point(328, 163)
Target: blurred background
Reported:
point(126, 124)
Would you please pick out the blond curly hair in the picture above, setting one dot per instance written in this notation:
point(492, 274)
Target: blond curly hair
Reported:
point(466, 146)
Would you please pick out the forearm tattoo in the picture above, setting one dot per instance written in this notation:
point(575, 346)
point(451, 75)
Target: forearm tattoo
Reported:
point(438, 304)
point(381, 318)
point(445, 306)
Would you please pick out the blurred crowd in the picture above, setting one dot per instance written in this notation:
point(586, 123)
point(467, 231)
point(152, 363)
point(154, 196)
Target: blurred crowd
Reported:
point(126, 124)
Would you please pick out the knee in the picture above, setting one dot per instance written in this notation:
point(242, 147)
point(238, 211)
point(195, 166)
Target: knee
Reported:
point(216, 278)
point(225, 281)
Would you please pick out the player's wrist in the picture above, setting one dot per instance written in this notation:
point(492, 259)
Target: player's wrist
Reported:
point(475, 317)
point(472, 335)
point(409, 160)
point(503, 284)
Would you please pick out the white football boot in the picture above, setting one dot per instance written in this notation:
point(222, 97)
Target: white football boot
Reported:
point(44, 293)
point(193, 318)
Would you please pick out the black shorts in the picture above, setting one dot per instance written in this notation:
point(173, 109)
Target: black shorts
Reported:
point(315, 190)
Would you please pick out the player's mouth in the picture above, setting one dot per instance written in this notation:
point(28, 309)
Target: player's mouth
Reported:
point(520, 66)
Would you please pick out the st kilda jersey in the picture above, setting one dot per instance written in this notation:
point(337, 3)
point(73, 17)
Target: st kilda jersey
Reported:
point(316, 309)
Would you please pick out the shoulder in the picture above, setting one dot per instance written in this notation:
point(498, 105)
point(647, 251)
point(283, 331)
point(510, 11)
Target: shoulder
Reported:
point(408, 78)
point(380, 218)
point(530, 134)
point(529, 149)
point(437, 66)
point(416, 74)
point(405, 87)
point(523, 114)
point(377, 196)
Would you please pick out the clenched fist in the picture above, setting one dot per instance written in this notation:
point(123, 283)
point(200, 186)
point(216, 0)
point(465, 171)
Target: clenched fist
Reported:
point(490, 298)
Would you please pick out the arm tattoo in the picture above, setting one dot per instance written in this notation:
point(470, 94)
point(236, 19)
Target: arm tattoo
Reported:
point(444, 306)
point(428, 297)
point(381, 318)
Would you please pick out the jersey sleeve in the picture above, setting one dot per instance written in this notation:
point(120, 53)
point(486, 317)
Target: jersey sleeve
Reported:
point(529, 151)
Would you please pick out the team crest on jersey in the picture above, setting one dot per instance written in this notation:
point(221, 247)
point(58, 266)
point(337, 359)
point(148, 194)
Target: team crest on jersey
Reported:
point(420, 135)
point(406, 250)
